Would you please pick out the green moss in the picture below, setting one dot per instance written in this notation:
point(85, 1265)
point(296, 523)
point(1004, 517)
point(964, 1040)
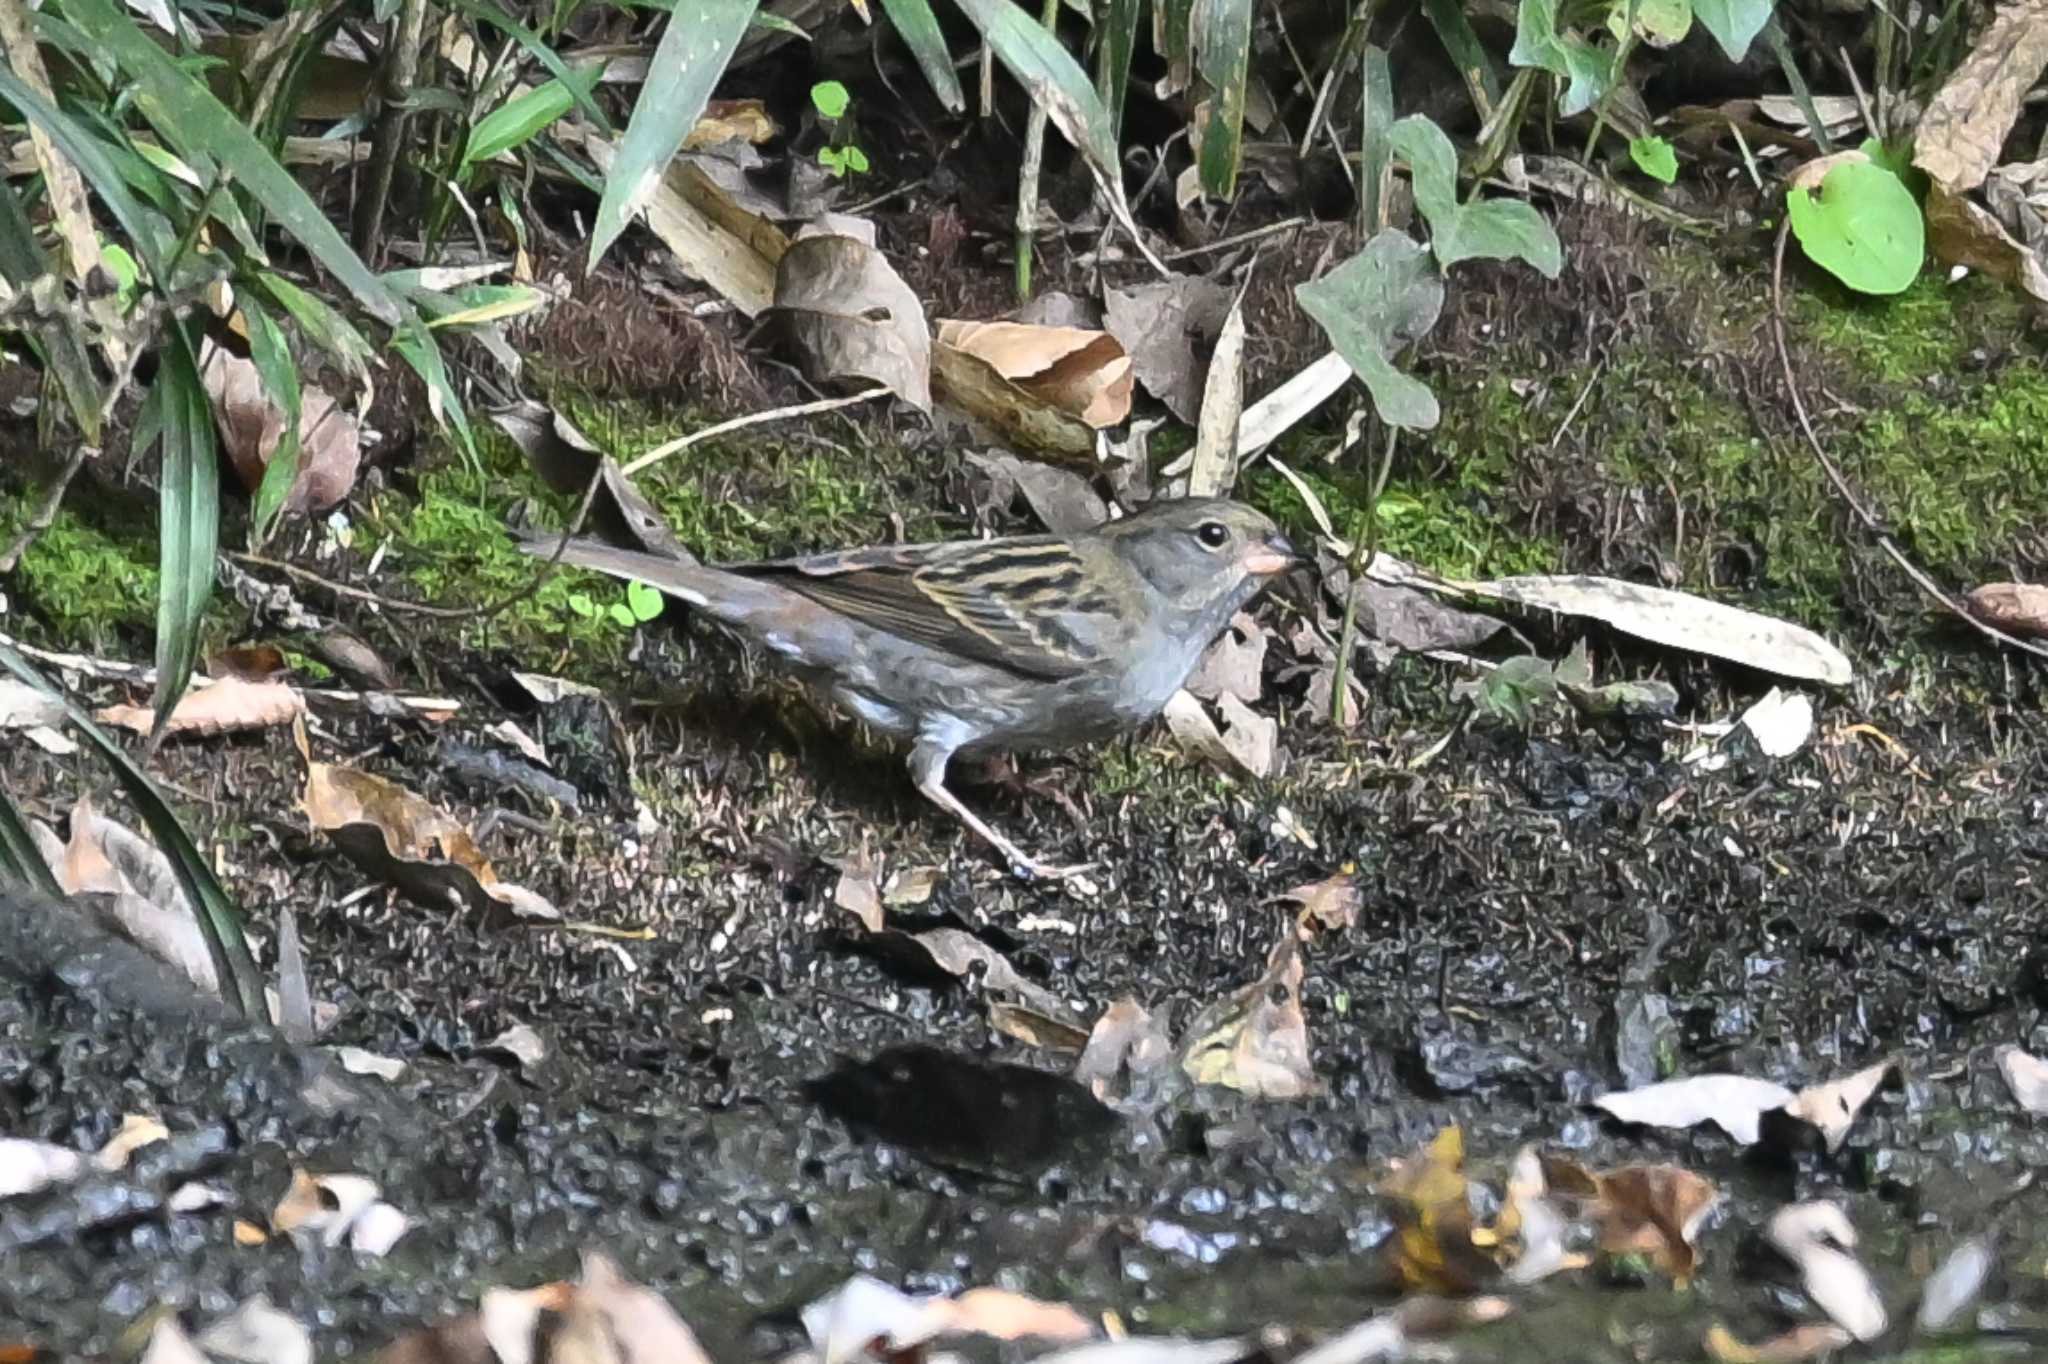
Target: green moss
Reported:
point(1926, 332)
point(82, 581)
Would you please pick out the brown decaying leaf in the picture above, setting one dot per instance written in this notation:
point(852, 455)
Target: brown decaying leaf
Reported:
point(1804, 1342)
point(565, 459)
point(2021, 608)
point(1328, 905)
point(1003, 411)
point(1083, 373)
point(143, 898)
point(727, 120)
point(1959, 136)
point(1834, 1106)
point(604, 1318)
point(251, 426)
point(228, 706)
point(1432, 1248)
point(1233, 663)
point(1163, 325)
point(1963, 232)
point(1248, 747)
point(400, 838)
point(1125, 1044)
point(1035, 1029)
point(958, 953)
point(1655, 1211)
point(857, 893)
point(866, 1316)
point(1213, 467)
point(1061, 498)
point(1256, 1042)
point(851, 316)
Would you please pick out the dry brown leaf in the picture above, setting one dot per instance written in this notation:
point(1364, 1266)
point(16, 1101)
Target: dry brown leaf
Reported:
point(733, 251)
point(1126, 1045)
point(1167, 326)
point(1061, 498)
point(1212, 468)
point(728, 120)
point(1083, 373)
point(145, 901)
point(1256, 1042)
point(1963, 232)
point(908, 886)
point(1801, 1343)
point(851, 317)
point(1328, 905)
point(959, 953)
point(1654, 1211)
point(1426, 1194)
point(229, 706)
point(1234, 663)
point(414, 846)
point(1818, 1238)
point(1734, 1103)
point(2020, 608)
point(856, 891)
point(1035, 1029)
point(865, 1316)
point(252, 425)
point(1959, 136)
point(137, 1131)
point(612, 1320)
point(1003, 1315)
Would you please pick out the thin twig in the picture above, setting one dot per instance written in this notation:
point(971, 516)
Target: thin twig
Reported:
point(1363, 551)
point(1863, 513)
point(1241, 238)
point(680, 443)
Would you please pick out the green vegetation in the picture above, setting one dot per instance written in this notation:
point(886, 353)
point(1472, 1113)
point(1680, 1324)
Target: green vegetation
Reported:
point(85, 581)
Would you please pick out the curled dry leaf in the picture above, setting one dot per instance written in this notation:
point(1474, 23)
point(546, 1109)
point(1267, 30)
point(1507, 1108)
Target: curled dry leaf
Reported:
point(136, 891)
point(1256, 1041)
point(865, 1315)
point(1532, 1225)
point(2019, 608)
point(566, 459)
point(1654, 1211)
point(1035, 1029)
point(1963, 232)
point(1833, 1107)
point(959, 953)
point(228, 706)
point(1427, 1195)
point(1212, 467)
point(1249, 746)
point(1328, 905)
point(410, 844)
point(252, 426)
point(850, 316)
point(1085, 374)
point(1167, 326)
point(1233, 664)
point(1958, 137)
point(1818, 1238)
point(856, 891)
point(729, 120)
point(1126, 1047)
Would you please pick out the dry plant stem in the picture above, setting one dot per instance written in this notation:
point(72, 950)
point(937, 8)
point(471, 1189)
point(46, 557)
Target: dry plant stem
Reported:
point(401, 67)
point(1863, 513)
point(273, 49)
point(1365, 545)
point(1240, 239)
point(569, 532)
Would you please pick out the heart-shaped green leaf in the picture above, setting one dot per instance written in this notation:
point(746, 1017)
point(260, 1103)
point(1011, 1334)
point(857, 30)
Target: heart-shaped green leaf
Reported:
point(1479, 229)
point(1586, 70)
point(1373, 305)
point(1863, 227)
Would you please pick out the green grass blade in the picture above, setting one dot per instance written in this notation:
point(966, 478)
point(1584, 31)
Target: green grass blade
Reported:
point(185, 112)
point(188, 520)
point(1375, 147)
point(218, 918)
point(146, 229)
point(692, 55)
point(921, 34)
point(537, 48)
point(1447, 17)
point(20, 859)
point(1225, 55)
point(272, 356)
point(1053, 79)
point(515, 122)
point(1116, 41)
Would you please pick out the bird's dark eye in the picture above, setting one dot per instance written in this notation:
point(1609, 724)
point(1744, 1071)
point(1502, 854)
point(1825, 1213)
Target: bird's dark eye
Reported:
point(1214, 534)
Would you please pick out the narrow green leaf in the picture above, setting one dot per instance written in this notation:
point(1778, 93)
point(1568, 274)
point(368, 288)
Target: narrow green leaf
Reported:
point(142, 226)
point(515, 122)
point(1375, 146)
point(416, 344)
point(1225, 27)
point(536, 47)
point(187, 115)
point(1116, 40)
point(1053, 79)
point(20, 859)
point(1473, 61)
point(62, 336)
point(1372, 306)
point(272, 356)
point(921, 34)
point(692, 55)
point(219, 920)
point(1801, 95)
point(188, 519)
point(326, 328)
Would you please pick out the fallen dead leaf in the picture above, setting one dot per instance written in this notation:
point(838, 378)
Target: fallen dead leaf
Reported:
point(1212, 467)
point(258, 1333)
point(1427, 1194)
point(2026, 1076)
point(228, 706)
point(252, 426)
point(850, 316)
point(1808, 1341)
point(2021, 608)
point(1061, 498)
point(1256, 1041)
point(1233, 664)
point(1328, 905)
point(959, 953)
point(1965, 124)
point(1125, 1049)
point(1734, 1103)
point(1167, 326)
point(566, 460)
point(411, 844)
point(1035, 1029)
point(1833, 1107)
point(1081, 372)
point(1654, 1211)
point(865, 1315)
point(134, 890)
point(1818, 1238)
point(1963, 232)
point(856, 891)
point(727, 120)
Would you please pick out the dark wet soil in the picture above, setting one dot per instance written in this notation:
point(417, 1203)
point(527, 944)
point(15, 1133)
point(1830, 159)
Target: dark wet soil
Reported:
point(1880, 893)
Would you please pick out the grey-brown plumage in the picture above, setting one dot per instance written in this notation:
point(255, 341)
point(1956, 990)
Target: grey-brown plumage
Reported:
point(1024, 642)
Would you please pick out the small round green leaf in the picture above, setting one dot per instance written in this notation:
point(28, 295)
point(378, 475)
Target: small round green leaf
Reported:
point(1655, 158)
point(830, 99)
point(644, 601)
point(1863, 227)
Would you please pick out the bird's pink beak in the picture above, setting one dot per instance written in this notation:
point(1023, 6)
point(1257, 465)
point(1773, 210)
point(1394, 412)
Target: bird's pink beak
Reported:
point(1274, 554)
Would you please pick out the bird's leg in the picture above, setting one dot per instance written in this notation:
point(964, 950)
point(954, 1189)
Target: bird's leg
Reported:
point(928, 769)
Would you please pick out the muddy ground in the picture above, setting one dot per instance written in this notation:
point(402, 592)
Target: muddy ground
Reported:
point(1879, 893)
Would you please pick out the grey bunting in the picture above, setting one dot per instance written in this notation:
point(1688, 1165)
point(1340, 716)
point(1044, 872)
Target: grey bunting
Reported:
point(1022, 642)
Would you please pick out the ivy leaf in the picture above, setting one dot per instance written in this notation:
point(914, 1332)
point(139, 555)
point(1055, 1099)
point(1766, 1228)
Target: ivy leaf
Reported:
point(1373, 305)
point(1479, 229)
point(1655, 158)
point(1586, 70)
point(1734, 23)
